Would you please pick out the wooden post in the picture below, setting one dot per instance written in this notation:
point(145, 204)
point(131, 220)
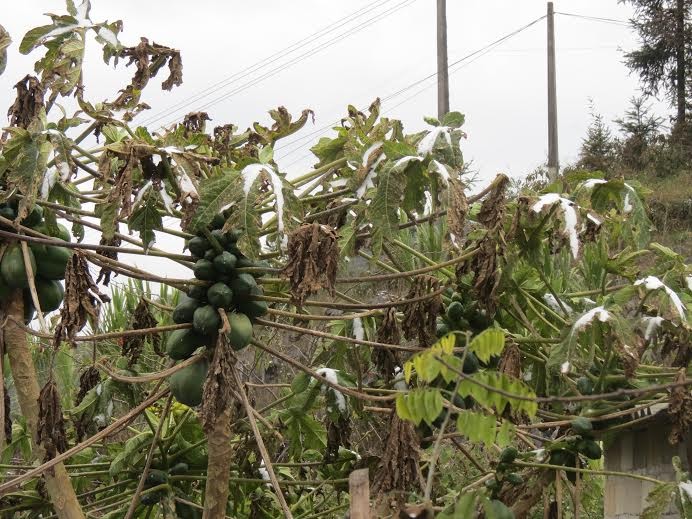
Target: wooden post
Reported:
point(442, 70)
point(359, 488)
point(553, 159)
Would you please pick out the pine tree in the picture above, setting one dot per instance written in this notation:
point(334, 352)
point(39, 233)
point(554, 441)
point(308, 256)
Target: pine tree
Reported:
point(639, 128)
point(664, 31)
point(598, 148)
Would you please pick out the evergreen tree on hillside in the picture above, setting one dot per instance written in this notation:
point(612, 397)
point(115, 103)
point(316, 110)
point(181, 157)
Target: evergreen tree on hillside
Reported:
point(639, 128)
point(664, 31)
point(597, 151)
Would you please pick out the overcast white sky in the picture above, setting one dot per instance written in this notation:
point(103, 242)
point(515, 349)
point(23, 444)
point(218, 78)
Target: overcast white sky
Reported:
point(502, 93)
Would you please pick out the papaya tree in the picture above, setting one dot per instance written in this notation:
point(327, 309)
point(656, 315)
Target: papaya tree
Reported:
point(375, 311)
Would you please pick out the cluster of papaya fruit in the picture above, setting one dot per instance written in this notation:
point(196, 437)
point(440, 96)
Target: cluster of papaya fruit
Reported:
point(158, 477)
point(462, 313)
point(504, 474)
point(566, 453)
point(48, 262)
point(225, 290)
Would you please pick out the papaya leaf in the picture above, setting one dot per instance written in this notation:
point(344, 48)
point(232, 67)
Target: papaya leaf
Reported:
point(145, 219)
point(216, 193)
point(477, 427)
point(488, 343)
point(133, 448)
point(465, 507)
point(658, 501)
point(384, 209)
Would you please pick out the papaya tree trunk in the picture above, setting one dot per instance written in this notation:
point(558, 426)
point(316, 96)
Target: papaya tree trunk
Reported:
point(57, 481)
point(219, 467)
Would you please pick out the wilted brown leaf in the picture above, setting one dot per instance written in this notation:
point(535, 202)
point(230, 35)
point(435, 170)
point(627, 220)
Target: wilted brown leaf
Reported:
point(420, 317)
point(510, 362)
point(82, 300)
point(51, 425)
point(148, 58)
point(338, 435)
point(389, 332)
point(28, 103)
point(457, 209)
point(493, 207)
point(194, 122)
point(313, 258)
point(133, 345)
point(487, 274)
point(680, 410)
point(87, 381)
point(105, 272)
point(399, 468)
point(218, 391)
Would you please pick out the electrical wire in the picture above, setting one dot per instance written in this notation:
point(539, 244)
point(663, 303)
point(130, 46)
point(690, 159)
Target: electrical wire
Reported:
point(304, 56)
point(475, 54)
point(266, 61)
point(613, 21)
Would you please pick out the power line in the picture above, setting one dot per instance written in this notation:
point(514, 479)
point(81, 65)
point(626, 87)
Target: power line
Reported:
point(302, 57)
point(475, 54)
point(597, 19)
point(268, 60)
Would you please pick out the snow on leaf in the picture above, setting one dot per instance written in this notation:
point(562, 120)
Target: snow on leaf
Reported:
point(427, 143)
point(83, 12)
point(653, 283)
point(368, 181)
point(166, 199)
point(403, 162)
point(442, 170)
point(599, 313)
point(565, 368)
point(358, 330)
point(652, 324)
point(138, 199)
point(50, 177)
point(108, 36)
point(569, 214)
point(553, 303)
point(689, 282)
point(330, 375)
point(250, 174)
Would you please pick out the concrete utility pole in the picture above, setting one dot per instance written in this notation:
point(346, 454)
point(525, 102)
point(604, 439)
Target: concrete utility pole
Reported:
point(553, 160)
point(442, 71)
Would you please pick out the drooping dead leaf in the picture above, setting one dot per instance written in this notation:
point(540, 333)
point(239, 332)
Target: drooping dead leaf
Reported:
point(217, 395)
point(28, 103)
point(338, 435)
point(87, 381)
point(457, 209)
point(420, 317)
point(493, 207)
point(82, 300)
point(399, 468)
point(389, 332)
point(680, 410)
point(194, 122)
point(313, 258)
point(148, 58)
point(133, 345)
point(51, 425)
point(486, 269)
point(630, 354)
point(510, 362)
point(105, 273)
